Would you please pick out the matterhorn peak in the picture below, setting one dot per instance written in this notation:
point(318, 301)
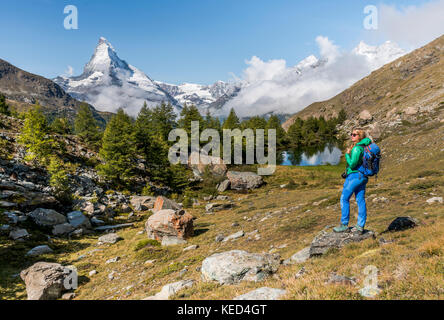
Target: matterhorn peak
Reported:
point(104, 59)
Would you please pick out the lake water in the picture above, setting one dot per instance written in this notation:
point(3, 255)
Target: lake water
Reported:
point(328, 154)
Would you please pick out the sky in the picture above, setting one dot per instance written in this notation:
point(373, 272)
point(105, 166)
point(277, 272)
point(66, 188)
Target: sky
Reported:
point(202, 41)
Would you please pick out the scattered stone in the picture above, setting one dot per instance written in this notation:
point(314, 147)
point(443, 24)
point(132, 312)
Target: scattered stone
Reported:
point(213, 207)
point(237, 265)
point(92, 273)
point(402, 223)
point(411, 111)
point(78, 219)
point(222, 198)
point(220, 238)
point(300, 273)
point(434, 199)
point(112, 260)
point(47, 217)
point(223, 186)
point(199, 163)
point(112, 275)
point(333, 240)
point(234, 236)
point(163, 203)
point(192, 247)
point(171, 289)
point(68, 296)
point(113, 227)
point(142, 203)
point(263, 293)
point(382, 241)
point(319, 202)
point(62, 229)
point(335, 278)
point(301, 256)
point(109, 238)
point(169, 223)
point(97, 222)
point(208, 198)
point(18, 234)
point(39, 250)
point(44, 281)
point(7, 205)
point(235, 224)
point(244, 180)
point(364, 117)
point(380, 200)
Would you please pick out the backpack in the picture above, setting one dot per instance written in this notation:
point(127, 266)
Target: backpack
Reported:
point(370, 160)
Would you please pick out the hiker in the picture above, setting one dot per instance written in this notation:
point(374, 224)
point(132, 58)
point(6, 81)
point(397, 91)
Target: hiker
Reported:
point(355, 181)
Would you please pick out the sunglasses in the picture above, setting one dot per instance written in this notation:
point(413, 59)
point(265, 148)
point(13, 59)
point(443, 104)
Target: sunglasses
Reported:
point(354, 134)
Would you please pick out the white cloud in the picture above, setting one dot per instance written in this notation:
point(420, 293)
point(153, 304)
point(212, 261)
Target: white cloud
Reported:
point(270, 86)
point(69, 71)
point(412, 25)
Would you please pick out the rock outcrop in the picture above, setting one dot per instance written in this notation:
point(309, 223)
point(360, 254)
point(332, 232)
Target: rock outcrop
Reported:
point(199, 163)
point(169, 224)
point(263, 293)
point(237, 265)
point(244, 180)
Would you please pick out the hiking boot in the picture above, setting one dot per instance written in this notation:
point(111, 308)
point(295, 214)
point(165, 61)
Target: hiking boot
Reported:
point(359, 229)
point(341, 228)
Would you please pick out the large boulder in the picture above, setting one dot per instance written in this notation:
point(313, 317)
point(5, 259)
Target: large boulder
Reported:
point(238, 265)
point(44, 281)
point(142, 203)
point(263, 293)
point(39, 250)
point(223, 186)
point(213, 207)
point(62, 229)
point(169, 223)
point(199, 163)
point(47, 217)
point(244, 180)
point(163, 203)
point(364, 117)
point(333, 240)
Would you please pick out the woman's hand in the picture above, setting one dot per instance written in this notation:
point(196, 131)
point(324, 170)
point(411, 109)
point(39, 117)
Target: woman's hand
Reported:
point(348, 150)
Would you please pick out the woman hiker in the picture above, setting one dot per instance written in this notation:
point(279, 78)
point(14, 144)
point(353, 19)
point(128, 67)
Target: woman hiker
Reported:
point(355, 182)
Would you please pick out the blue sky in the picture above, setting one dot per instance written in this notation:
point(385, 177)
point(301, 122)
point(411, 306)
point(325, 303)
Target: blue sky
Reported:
point(179, 40)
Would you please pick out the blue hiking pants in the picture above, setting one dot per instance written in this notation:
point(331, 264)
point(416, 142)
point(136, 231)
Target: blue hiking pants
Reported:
point(354, 183)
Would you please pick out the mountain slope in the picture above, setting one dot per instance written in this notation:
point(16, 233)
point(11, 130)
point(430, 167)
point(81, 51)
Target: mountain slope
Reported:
point(24, 89)
point(410, 84)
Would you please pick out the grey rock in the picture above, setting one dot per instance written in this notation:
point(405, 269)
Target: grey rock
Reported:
point(18, 234)
point(62, 229)
point(47, 217)
point(6, 204)
point(39, 250)
point(213, 207)
point(263, 293)
point(434, 199)
point(78, 219)
point(192, 247)
point(238, 265)
point(68, 296)
point(113, 227)
point(172, 241)
point(171, 289)
point(335, 278)
point(92, 273)
point(223, 186)
point(222, 198)
point(44, 281)
point(301, 256)
point(234, 236)
point(219, 238)
point(244, 180)
point(97, 222)
point(109, 238)
point(402, 223)
point(112, 260)
point(332, 240)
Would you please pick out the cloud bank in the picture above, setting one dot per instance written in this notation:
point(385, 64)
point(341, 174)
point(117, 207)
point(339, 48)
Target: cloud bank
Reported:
point(271, 86)
point(413, 26)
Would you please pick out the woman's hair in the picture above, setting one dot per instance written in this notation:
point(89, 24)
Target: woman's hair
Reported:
point(361, 133)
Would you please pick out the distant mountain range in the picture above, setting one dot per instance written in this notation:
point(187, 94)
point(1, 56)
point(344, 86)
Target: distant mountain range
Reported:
point(108, 83)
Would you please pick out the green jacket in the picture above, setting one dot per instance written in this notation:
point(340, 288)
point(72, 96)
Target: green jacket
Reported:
point(354, 158)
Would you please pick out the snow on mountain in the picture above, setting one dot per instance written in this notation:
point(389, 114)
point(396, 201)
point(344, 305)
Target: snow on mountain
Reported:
point(108, 83)
point(272, 87)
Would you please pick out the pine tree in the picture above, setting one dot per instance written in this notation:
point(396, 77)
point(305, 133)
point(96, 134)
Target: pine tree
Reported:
point(86, 127)
point(34, 136)
point(59, 180)
point(189, 114)
point(4, 108)
point(274, 123)
point(294, 133)
point(232, 121)
point(61, 126)
point(118, 150)
point(342, 116)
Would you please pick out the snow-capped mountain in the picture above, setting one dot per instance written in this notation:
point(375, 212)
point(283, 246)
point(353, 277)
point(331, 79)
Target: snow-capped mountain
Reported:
point(379, 55)
point(108, 83)
point(202, 96)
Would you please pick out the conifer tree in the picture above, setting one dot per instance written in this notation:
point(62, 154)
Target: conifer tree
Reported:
point(4, 108)
point(232, 121)
point(274, 123)
point(86, 127)
point(118, 150)
point(61, 126)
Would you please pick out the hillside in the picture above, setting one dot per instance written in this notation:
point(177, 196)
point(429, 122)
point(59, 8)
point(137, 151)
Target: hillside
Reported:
point(24, 89)
point(404, 87)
